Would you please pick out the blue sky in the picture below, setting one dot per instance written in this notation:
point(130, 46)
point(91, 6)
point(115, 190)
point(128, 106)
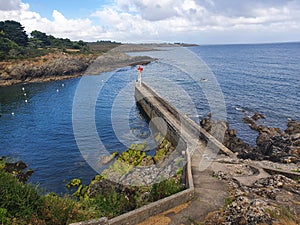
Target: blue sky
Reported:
point(192, 21)
point(70, 9)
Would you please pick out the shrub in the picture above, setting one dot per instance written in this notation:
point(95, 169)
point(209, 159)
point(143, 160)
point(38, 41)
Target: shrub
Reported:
point(112, 203)
point(18, 199)
point(57, 210)
point(3, 213)
point(165, 188)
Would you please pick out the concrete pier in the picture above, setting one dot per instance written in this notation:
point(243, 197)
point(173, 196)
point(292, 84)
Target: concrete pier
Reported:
point(181, 130)
point(204, 193)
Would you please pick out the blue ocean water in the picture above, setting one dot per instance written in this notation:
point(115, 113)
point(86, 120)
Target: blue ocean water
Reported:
point(261, 78)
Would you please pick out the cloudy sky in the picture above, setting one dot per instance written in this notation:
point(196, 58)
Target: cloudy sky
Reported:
point(192, 21)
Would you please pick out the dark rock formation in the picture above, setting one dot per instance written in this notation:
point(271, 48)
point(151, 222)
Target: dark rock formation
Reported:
point(101, 185)
point(272, 143)
point(18, 169)
point(277, 145)
point(230, 139)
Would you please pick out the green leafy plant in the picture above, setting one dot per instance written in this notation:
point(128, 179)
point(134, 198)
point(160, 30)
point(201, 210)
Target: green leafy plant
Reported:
point(112, 203)
point(166, 188)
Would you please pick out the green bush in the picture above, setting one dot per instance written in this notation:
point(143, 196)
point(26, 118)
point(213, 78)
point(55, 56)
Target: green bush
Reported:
point(3, 213)
point(21, 204)
point(112, 203)
point(57, 210)
point(20, 200)
point(166, 188)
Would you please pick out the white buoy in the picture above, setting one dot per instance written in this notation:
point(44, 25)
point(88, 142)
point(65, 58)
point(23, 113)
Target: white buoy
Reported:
point(25, 94)
point(23, 89)
point(62, 85)
point(102, 81)
point(12, 113)
point(26, 100)
point(57, 90)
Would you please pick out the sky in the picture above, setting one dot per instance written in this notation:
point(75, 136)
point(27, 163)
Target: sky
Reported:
point(145, 21)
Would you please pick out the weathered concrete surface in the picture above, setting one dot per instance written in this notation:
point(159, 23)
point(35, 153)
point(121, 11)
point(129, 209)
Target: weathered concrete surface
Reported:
point(180, 128)
point(209, 192)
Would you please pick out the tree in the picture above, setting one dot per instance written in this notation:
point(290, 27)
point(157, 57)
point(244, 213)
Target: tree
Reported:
point(43, 38)
point(8, 48)
point(14, 31)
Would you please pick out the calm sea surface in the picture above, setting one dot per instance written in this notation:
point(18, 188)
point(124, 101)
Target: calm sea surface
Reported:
point(36, 125)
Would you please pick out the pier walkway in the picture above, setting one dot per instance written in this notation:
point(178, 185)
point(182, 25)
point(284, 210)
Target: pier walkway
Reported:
point(209, 192)
point(204, 193)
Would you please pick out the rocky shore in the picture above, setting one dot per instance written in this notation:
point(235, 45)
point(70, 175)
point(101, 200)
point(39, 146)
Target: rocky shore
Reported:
point(272, 144)
point(19, 169)
point(255, 197)
point(53, 66)
point(61, 65)
point(263, 183)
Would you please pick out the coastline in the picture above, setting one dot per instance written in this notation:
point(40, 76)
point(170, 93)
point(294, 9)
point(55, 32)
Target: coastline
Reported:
point(61, 66)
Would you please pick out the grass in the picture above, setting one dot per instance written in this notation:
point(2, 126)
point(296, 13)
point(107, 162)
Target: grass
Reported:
point(165, 188)
point(283, 216)
point(22, 204)
point(228, 200)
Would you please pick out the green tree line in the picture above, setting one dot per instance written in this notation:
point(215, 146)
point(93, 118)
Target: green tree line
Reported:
point(15, 42)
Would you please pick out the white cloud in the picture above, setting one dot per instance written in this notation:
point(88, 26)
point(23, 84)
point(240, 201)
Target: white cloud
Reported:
point(10, 5)
point(60, 26)
point(170, 20)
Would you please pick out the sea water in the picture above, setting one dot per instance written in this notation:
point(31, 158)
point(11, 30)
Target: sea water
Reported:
point(36, 125)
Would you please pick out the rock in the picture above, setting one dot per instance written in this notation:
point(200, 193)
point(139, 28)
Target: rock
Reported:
point(258, 116)
point(147, 161)
point(132, 156)
point(248, 120)
point(102, 186)
point(59, 65)
point(17, 166)
point(18, 169)
point(107, 158)
point(52, 65)
point(293, 128)
point(271, 143)
point(260, 203)
point(230, 139)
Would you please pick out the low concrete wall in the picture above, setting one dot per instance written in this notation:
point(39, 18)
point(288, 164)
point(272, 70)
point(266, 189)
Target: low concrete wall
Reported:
point(154, 208)
point(148, 107)
point(138, 215)
point(183, 133)
point(146, 98)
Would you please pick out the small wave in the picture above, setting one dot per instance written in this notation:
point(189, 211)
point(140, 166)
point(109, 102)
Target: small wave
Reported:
point(240, 109)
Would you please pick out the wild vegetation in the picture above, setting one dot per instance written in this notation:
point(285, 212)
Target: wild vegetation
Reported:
point(22, 203)
point(39, 57)
point(15, 43)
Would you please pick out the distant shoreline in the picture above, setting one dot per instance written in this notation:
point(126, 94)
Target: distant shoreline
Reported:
point(61, 66)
